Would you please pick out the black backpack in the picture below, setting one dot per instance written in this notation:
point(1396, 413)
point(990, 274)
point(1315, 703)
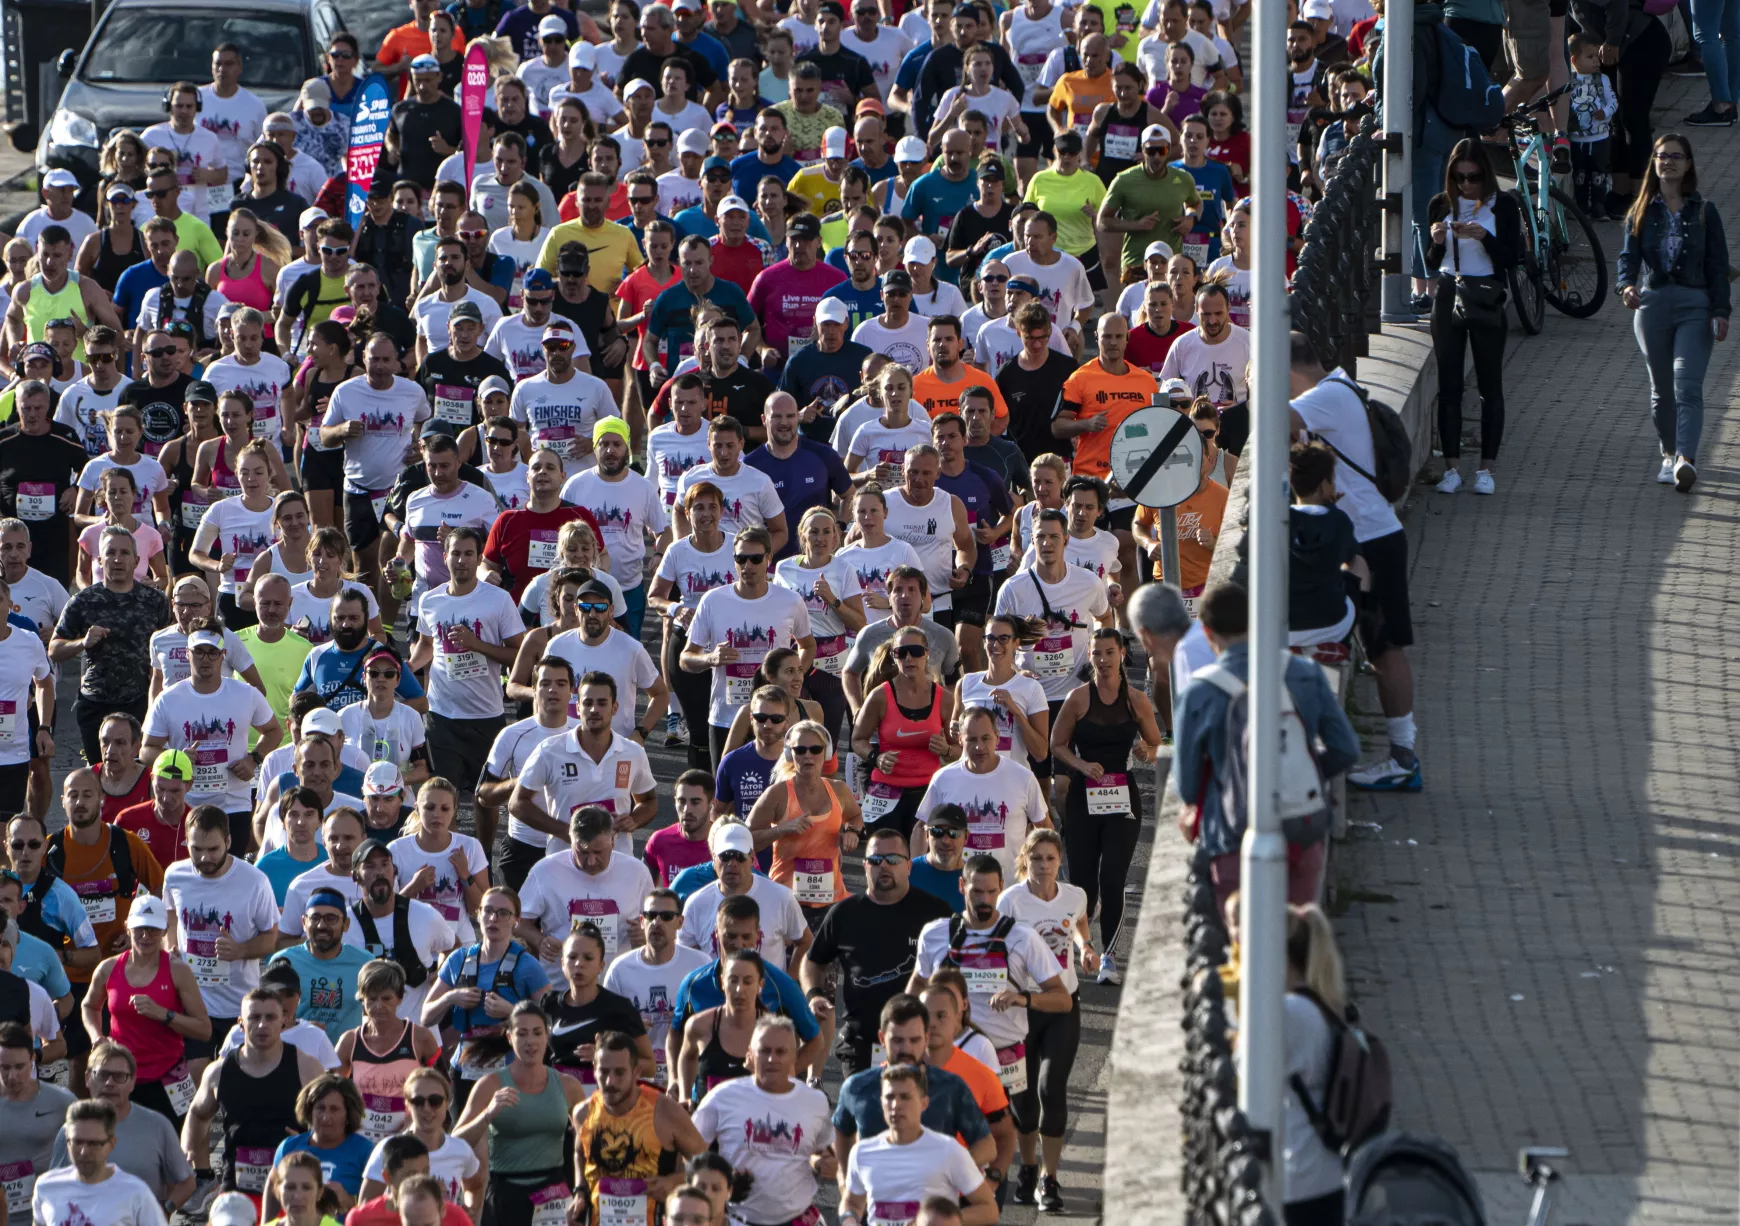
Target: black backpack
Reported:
point(1358, 1094)
point(1403, 1180)
point(1391, 448)
point(403, 950)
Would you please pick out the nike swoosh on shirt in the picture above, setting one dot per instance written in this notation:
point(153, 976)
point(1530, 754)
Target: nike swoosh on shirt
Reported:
point(569, 1029)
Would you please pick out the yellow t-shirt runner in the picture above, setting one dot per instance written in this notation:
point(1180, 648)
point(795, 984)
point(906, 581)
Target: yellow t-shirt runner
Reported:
point(1063, 196)
point(612, 249)
point(814, 188)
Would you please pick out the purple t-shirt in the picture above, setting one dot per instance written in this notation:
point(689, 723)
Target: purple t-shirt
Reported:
point(785, 300)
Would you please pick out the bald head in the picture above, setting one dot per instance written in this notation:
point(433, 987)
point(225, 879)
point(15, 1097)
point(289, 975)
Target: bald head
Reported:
point(780, 416)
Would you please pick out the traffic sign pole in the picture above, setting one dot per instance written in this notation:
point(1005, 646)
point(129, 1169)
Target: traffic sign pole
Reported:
point(1169, 545)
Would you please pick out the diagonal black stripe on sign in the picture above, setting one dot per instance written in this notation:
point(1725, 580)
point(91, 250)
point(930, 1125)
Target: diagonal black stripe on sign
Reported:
point(1158, 457)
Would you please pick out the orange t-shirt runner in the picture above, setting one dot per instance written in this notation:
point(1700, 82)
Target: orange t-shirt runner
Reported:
point(939, 396)
point(1077, 94)
point(1093, 390)
point(1202, 509)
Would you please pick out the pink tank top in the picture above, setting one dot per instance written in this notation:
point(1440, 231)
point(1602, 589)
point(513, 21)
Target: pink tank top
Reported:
point(222, 475)
point(250, 290)
point(155, 1047)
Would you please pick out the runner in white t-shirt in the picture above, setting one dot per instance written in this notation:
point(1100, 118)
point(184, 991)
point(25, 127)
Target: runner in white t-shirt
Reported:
point(209, 716)
point(223, 918)
point(1066, 600)
point(890, 1175)
point(588, 881)
point(1002, 799)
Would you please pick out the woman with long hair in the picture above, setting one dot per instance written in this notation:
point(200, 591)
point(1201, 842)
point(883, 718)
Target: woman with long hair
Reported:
point(330, 1110)
point(154, 1007)
point(1232, 271)
point(1228, 142)
point(459, 1166)
point(771, 205)
point(522, 239)
point(1673, 272)
point(716, 1041)
point(1100, 726)
point(436, 863)
point(187, 504)
point(122, 160)
point(522, 1110)
point(253, 254)
point(908, 717)
point(873, 554)
point(692, 566)
point(120, 493)
point(288, 555)
point(829, 587)
point(809, 820)
point(1476, 233)
point(563, 598)
point(580, 1009)
point(1316, 997)
point(329, 362)
point(269, 198)
point(1183, 275)
point(117, 245)
point(216, 472)
point(334, 569)
point(783, 667)
point(577, 548)
point(1057, 910)
point(240, 529)
point(298, 1189)
point(125, 426)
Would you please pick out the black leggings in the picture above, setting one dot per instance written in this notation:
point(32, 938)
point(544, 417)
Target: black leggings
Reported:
point(826, 689)
point(693, 692)
point(1052, 1041)
point(1636, 80)
point(1449, 339)
point(507, 1200)
point(1099, 847)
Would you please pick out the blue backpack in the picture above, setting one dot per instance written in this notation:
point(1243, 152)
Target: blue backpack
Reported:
point(1466, 96)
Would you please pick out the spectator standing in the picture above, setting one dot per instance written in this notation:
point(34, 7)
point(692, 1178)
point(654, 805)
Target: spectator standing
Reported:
point(1476, 242)
point(1673, 272)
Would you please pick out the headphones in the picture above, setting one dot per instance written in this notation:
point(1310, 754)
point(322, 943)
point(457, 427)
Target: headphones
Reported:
point(169, 96)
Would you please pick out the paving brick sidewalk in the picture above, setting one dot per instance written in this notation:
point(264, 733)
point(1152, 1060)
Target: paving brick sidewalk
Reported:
point(1548, 936)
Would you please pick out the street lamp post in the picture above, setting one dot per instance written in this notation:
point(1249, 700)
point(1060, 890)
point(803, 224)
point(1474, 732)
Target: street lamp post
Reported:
point(1397, 92)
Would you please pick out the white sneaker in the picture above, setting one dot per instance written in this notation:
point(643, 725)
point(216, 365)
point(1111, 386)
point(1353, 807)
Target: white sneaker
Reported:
point(1666, 475)
point(1685, 473)
point(1483, 482)
point(1450, 482)
point(1109, 972)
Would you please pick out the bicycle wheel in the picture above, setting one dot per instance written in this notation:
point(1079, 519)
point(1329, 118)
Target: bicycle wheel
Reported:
point(1575, 279)
point(1525, 281)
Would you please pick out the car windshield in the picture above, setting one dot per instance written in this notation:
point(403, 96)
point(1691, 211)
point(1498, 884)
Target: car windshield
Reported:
point(370, 20)
point(138, 45)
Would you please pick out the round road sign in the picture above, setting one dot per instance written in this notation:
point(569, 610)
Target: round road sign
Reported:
point(1156, 457)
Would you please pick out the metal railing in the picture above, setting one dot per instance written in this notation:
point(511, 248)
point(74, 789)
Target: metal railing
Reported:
point(1332, 291)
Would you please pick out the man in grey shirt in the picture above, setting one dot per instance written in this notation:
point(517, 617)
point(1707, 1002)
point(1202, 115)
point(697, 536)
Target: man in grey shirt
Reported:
point(147, 1145)
point(31, 1112)
point(906, 595)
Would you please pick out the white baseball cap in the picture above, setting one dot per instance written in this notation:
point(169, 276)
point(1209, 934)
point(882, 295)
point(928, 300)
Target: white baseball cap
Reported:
point(1154, 132)
point(1157, 248)
point(323, 720)
point(731, 836)
point(205, 638)
point(552, 24)
point(310, 217)
point(919, 250)
point(582, 55)
point(1315, 9)
point(383, 779)
point(834, 143)
point(232, 1209)
point(147, 911)
point(60, 177)
point(832, 311)
point(636, 86)
point(734, 202)
point(692, 140)
point(910, 149)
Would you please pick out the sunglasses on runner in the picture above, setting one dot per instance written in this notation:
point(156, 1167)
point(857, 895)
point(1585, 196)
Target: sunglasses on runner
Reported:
point(943, 832)
point(501, 442)
point(592, 606)
point(809, 749)
point(886, 857)
point(749, 559)
point(732, 857)
point(661, 915)
point(427, 1100)
point(912, 651)
point(23, 844)
point(767, 717)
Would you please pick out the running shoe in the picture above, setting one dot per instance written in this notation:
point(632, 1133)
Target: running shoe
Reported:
point(1026, 1185)
point(1685, 474)
point(1665, 476)
point(1050, 1196)
point(1710, 117)
point(1109, 972)
point(1386, 776)
point(1483, 482)
point(1561, 154)
point(1450, 482)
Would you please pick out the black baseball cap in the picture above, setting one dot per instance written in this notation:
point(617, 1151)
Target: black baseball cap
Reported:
point(897, 278)
point(200, 391)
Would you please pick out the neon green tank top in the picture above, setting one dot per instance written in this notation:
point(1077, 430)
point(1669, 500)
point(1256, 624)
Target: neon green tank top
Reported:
point(67, 303)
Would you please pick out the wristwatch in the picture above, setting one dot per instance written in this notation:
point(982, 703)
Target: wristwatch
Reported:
point(641, 733)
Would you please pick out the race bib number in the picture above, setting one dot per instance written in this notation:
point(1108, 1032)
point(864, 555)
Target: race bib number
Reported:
point(178, 1084)
point(463, 665)
point(880, 800)
point(1110, 796)
point(740, 682)
point(1121, 146)
point(541, 549)
point(831, 655)
point(252, 1167)
point(8, 721)
point(99, 904)
point(210, 765)
point(560, 439)
point(601, 911)
point(812, 881)
point(986, 974)
point(1028, 67)
point(1196, 247)
point(622, 1202)
point(797, 344)
point(985, 836)
point(36, 503)
point(19, 1179)
point(454, 403)
point(893, 1212)
point(193, 509)
point(1012, 1067)
point(550, 1205)
point(219, 195)
point(209, 970)
point(1052, 656)
point(383, 1115)
point(1002, 554)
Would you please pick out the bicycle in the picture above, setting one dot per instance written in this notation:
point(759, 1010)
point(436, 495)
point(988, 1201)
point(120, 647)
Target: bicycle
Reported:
point(1562, 258)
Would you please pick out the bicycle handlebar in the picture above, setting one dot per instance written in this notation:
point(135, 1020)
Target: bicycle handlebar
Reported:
point(1540, 104)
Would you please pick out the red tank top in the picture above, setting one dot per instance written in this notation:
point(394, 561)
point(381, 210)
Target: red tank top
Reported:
point(155, 1047)
point(222, 475)
point(910, 738)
